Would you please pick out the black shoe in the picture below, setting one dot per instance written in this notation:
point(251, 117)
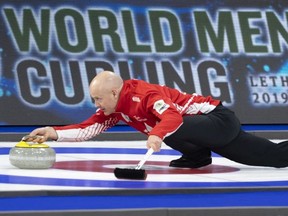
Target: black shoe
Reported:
point(185, 162)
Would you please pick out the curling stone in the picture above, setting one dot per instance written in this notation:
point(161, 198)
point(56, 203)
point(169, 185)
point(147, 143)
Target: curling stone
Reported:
point(32, 156)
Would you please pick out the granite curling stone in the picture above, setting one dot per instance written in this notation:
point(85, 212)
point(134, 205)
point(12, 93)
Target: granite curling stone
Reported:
point(32, 156)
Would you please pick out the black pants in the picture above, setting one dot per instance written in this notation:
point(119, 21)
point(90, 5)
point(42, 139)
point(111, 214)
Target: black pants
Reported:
point(220, 131)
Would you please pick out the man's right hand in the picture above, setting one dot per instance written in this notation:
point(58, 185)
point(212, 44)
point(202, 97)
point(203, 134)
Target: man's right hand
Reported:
point(41, 135)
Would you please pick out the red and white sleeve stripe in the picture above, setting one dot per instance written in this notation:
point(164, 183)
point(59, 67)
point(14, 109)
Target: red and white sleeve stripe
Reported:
point(84, 131)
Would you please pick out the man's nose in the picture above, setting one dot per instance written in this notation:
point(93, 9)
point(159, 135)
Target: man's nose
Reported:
point(97, 104)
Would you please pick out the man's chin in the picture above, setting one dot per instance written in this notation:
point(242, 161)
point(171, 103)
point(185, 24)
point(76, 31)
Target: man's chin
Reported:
point(106, 113)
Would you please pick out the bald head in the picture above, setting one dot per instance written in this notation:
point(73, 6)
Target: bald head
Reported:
point(106, 81)
point(105, 89)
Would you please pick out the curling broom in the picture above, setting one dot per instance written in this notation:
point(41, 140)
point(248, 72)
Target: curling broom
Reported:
point(137, 173)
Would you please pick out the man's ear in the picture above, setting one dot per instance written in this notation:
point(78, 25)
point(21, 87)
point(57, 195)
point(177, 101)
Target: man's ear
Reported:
point(114, 92)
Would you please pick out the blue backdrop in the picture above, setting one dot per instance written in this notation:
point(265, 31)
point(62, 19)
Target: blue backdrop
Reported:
point(235, 51)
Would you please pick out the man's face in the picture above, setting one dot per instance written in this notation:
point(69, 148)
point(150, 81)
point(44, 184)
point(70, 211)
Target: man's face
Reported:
point(105, 100)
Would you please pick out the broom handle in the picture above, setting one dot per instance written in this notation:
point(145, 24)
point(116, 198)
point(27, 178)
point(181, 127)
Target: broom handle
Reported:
point(147, 155)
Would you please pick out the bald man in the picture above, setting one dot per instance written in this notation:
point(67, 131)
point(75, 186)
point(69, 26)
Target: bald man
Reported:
point(191, 124)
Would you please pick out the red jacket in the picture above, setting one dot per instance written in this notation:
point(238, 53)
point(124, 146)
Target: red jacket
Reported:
point(152, 109)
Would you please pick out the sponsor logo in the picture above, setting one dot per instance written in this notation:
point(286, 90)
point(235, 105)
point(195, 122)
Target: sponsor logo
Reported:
point(140, 119)
point(160, 106)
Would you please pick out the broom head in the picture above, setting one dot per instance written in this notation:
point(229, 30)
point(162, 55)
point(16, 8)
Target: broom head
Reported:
point(125, 173)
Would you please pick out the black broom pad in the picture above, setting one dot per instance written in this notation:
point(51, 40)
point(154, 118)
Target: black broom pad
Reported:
point(126, 173)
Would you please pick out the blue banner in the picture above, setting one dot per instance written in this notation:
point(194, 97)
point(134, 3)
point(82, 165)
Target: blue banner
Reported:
point(235, 51)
